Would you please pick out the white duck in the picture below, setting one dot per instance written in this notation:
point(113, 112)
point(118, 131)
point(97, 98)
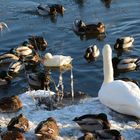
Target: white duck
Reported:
point(56, 60)
point(121, 96)
point(124, 42)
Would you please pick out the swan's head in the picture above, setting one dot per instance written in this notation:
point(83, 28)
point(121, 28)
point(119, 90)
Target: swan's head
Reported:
point(48, 56)
point(107, 49)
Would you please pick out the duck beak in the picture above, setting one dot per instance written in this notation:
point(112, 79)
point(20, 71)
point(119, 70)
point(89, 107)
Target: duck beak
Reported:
point(64, 9)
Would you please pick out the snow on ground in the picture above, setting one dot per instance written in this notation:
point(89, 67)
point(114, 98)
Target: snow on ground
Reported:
point(69, 130)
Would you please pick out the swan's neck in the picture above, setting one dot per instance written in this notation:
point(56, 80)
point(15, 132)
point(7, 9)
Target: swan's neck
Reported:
point(107, 65)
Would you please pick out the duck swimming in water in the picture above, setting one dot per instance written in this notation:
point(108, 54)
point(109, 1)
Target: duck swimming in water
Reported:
point(5, 78)
point(15, 67)
point(121, 96)
point(124, 43)
point(8, 58)
point(23, 50)
point(50, 9)
point(45, 10)
point(50, 60)
point(82, 29)
point(92, 52)
point(38, 42)
point(92, 122)
point(38, 80)
point(126, 64)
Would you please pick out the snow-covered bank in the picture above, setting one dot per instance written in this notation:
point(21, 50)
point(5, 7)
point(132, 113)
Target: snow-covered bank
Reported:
point(69, 130)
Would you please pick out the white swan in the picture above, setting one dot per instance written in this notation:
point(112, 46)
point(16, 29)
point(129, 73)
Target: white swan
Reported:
point(121, 96)
point(56, 60)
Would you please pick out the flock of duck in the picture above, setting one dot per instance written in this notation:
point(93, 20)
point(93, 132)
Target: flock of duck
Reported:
point(27, 56)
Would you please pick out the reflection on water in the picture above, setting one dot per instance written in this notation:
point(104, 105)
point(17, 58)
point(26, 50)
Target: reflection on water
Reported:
point(121, 18)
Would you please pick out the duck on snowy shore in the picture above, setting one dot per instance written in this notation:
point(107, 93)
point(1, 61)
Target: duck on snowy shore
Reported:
point(10, 104)
point(92, 122)
point(48, 129)
point(19, 123)
point(102, 135)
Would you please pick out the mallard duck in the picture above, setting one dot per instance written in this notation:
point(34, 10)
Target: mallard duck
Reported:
point(124, 43)
point(15, 67)
point(105, 134)
point(12, 135)
point(82, 29)
point(45, 9)
point(38, 42)
point(10, 104)
point(47, 129)
point(92, 122)
point(121, 96)
point(125, 64)
point(50, 60)
point(107, 3)
point(91, 53)
point(87, 136)
point(19, 123)
point(38, 80)
point(126, 79)
point(8, 58)
point(5, 78)
point(59, 8)
point(23, 50)
point(3, 25)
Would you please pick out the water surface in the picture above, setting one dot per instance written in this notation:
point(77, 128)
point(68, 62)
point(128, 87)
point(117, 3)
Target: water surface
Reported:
point(121, 18)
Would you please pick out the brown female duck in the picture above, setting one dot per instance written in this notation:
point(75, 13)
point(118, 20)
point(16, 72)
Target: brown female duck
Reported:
point(19, 123)
point(38, 42)
point(12, 135)
point(83, 29)
point(10, 104)
point(47, 129)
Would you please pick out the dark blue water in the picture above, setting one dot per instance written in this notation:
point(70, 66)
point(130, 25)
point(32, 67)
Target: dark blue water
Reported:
point(122, 18)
